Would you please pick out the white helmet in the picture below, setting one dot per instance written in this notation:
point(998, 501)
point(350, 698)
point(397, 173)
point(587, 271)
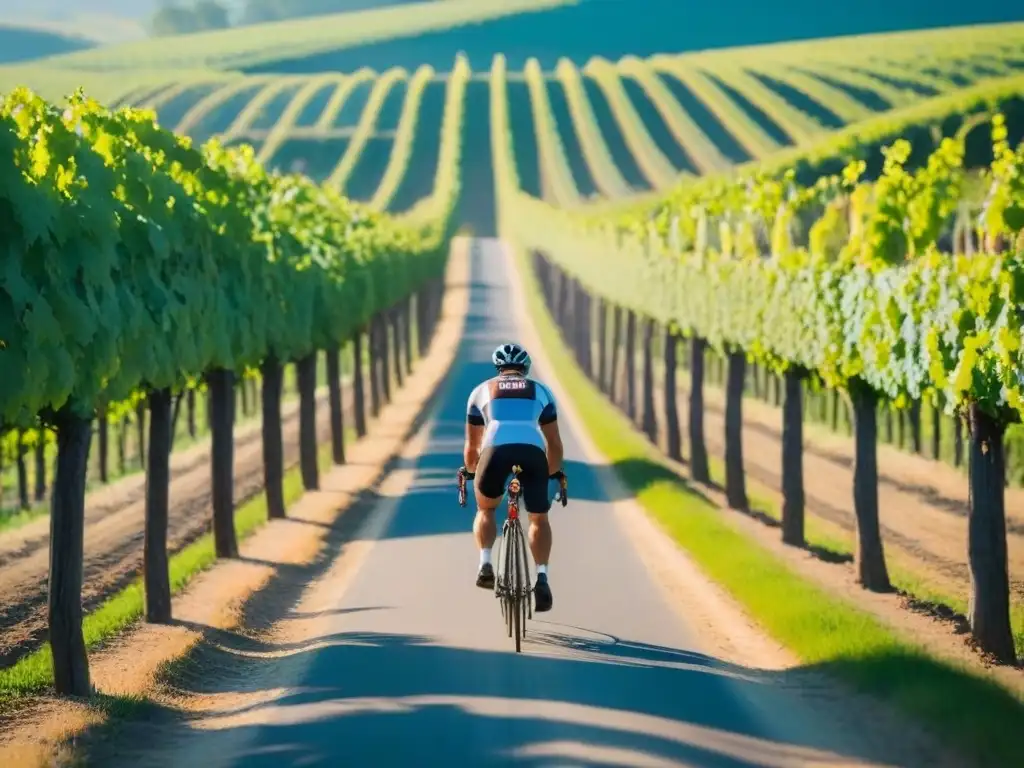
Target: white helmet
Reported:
point(512, 356)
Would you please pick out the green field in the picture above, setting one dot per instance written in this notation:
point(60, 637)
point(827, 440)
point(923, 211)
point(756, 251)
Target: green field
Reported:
point(607, 131)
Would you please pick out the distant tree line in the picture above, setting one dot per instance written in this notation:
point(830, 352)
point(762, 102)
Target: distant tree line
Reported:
point(178, 17)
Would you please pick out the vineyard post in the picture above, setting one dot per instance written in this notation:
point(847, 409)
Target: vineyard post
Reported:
point(156, 576)
point(698, 448)
point(272, 376)
point(588, 333)
point(385, 357)
point(305, 369)
point(122, 445)
point(395, 316)
point(674, 441)
point(630, 365)
point(602, 344)
point(872, 573)
point(40, 455)
point(914, 416)
point(407, 332)
point(650, 424)
point(989, 605)
point(220, 383)
point(359, 382)
point(421, 320)
point(23, 499)
point(614, 390)
point(335, 403)
point(103, 433)
point(140, 431)
point(67, 528)
point(190, 402)
point(936, 413)
point(735, 482)
point(793, 458)
point(374, 365)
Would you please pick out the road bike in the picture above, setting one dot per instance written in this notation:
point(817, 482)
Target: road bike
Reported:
point(512, 584)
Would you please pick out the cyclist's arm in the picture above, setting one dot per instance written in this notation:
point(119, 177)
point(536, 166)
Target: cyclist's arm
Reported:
point(474, 435)
point(553, 438)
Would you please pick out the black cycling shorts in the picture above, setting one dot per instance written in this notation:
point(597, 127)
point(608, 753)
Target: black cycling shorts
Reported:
point(495, 467)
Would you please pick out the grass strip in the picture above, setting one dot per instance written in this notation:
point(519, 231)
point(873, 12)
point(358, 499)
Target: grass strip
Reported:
point(34, 673)
point(973, 714)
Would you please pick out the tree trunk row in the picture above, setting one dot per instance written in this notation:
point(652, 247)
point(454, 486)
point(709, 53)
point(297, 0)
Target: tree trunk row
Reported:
point(987, 555)
point(390, 359)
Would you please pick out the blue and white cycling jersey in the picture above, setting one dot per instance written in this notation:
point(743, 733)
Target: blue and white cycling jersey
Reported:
point(512, 407)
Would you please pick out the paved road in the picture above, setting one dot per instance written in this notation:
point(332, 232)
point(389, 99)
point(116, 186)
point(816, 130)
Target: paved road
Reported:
point(415, 668)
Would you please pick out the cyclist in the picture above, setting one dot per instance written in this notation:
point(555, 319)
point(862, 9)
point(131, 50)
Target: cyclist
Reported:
point(512, 420)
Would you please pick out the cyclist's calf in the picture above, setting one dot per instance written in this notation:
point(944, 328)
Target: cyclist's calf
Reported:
point(540, 538)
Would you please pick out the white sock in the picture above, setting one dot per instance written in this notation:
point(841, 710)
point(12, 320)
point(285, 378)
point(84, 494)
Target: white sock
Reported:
point(542, 569)
point(485, 557)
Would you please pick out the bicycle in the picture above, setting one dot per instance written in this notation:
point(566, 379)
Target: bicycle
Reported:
point(512, 584)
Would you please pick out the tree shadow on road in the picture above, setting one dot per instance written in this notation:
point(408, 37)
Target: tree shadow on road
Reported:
point(364, 697)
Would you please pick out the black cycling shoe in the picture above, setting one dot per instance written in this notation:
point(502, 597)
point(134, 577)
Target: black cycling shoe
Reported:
point(542, 597)
point(485, 576)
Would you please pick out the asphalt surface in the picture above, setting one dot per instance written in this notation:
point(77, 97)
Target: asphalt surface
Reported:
point(414, 666)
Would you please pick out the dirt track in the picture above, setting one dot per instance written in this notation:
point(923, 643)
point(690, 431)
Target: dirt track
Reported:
point(114, 527)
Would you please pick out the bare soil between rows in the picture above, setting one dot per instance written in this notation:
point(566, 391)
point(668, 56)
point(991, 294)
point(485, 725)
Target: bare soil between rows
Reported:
point(115, 524)
point(923, 503)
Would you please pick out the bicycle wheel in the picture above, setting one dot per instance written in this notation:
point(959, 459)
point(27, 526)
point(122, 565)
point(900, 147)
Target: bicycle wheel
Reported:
point(505, 589)
point(527, 582)
point(517, 589)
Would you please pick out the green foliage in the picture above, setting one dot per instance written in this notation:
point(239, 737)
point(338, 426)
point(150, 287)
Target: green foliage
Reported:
point(844, 278)
point(133, 260)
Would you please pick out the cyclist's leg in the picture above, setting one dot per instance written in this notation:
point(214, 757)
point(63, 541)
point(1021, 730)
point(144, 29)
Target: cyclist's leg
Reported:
point(491, 471)
point(535, 495)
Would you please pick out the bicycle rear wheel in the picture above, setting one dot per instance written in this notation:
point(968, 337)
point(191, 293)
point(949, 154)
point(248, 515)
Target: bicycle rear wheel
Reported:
point(517, 589)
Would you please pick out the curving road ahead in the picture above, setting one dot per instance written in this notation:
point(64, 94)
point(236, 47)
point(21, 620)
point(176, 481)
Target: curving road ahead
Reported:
point(412, 666)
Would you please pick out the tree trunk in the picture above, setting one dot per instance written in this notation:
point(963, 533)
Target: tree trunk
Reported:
point(989, 608)
point(958, 440)
point(614, 390)
point(871, 571)
point(888, 424)
point(220, 383)
point(385, 358)
point(359, 384)
point(103, 429)
point(375, 345)
point(191, 403)
point(305, 369)
point(67, 528)
point(735, 482)
point(630, 365)
point(914, 416)
point(272, 374)
point(122, 446)
point(334, 398)
point(793, 459)
point(140, 431)
point(399, 342)
point(674, 438)
point(407, 333)
point(698, 449)
point(936, 431)
point(245, 397)
point(602, 345)
point(650, 424)
point(23, 499)
point(40, 455)
point(156, 575)
point(901, 429)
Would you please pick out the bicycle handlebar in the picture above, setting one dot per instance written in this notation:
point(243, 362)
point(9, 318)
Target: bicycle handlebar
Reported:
point(464, 474)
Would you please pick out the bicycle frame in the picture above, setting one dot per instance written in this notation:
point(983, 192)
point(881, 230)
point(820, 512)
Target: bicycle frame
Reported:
point(512, 582)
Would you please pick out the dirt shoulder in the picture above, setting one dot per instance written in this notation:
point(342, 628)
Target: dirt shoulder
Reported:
point(274, 565)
